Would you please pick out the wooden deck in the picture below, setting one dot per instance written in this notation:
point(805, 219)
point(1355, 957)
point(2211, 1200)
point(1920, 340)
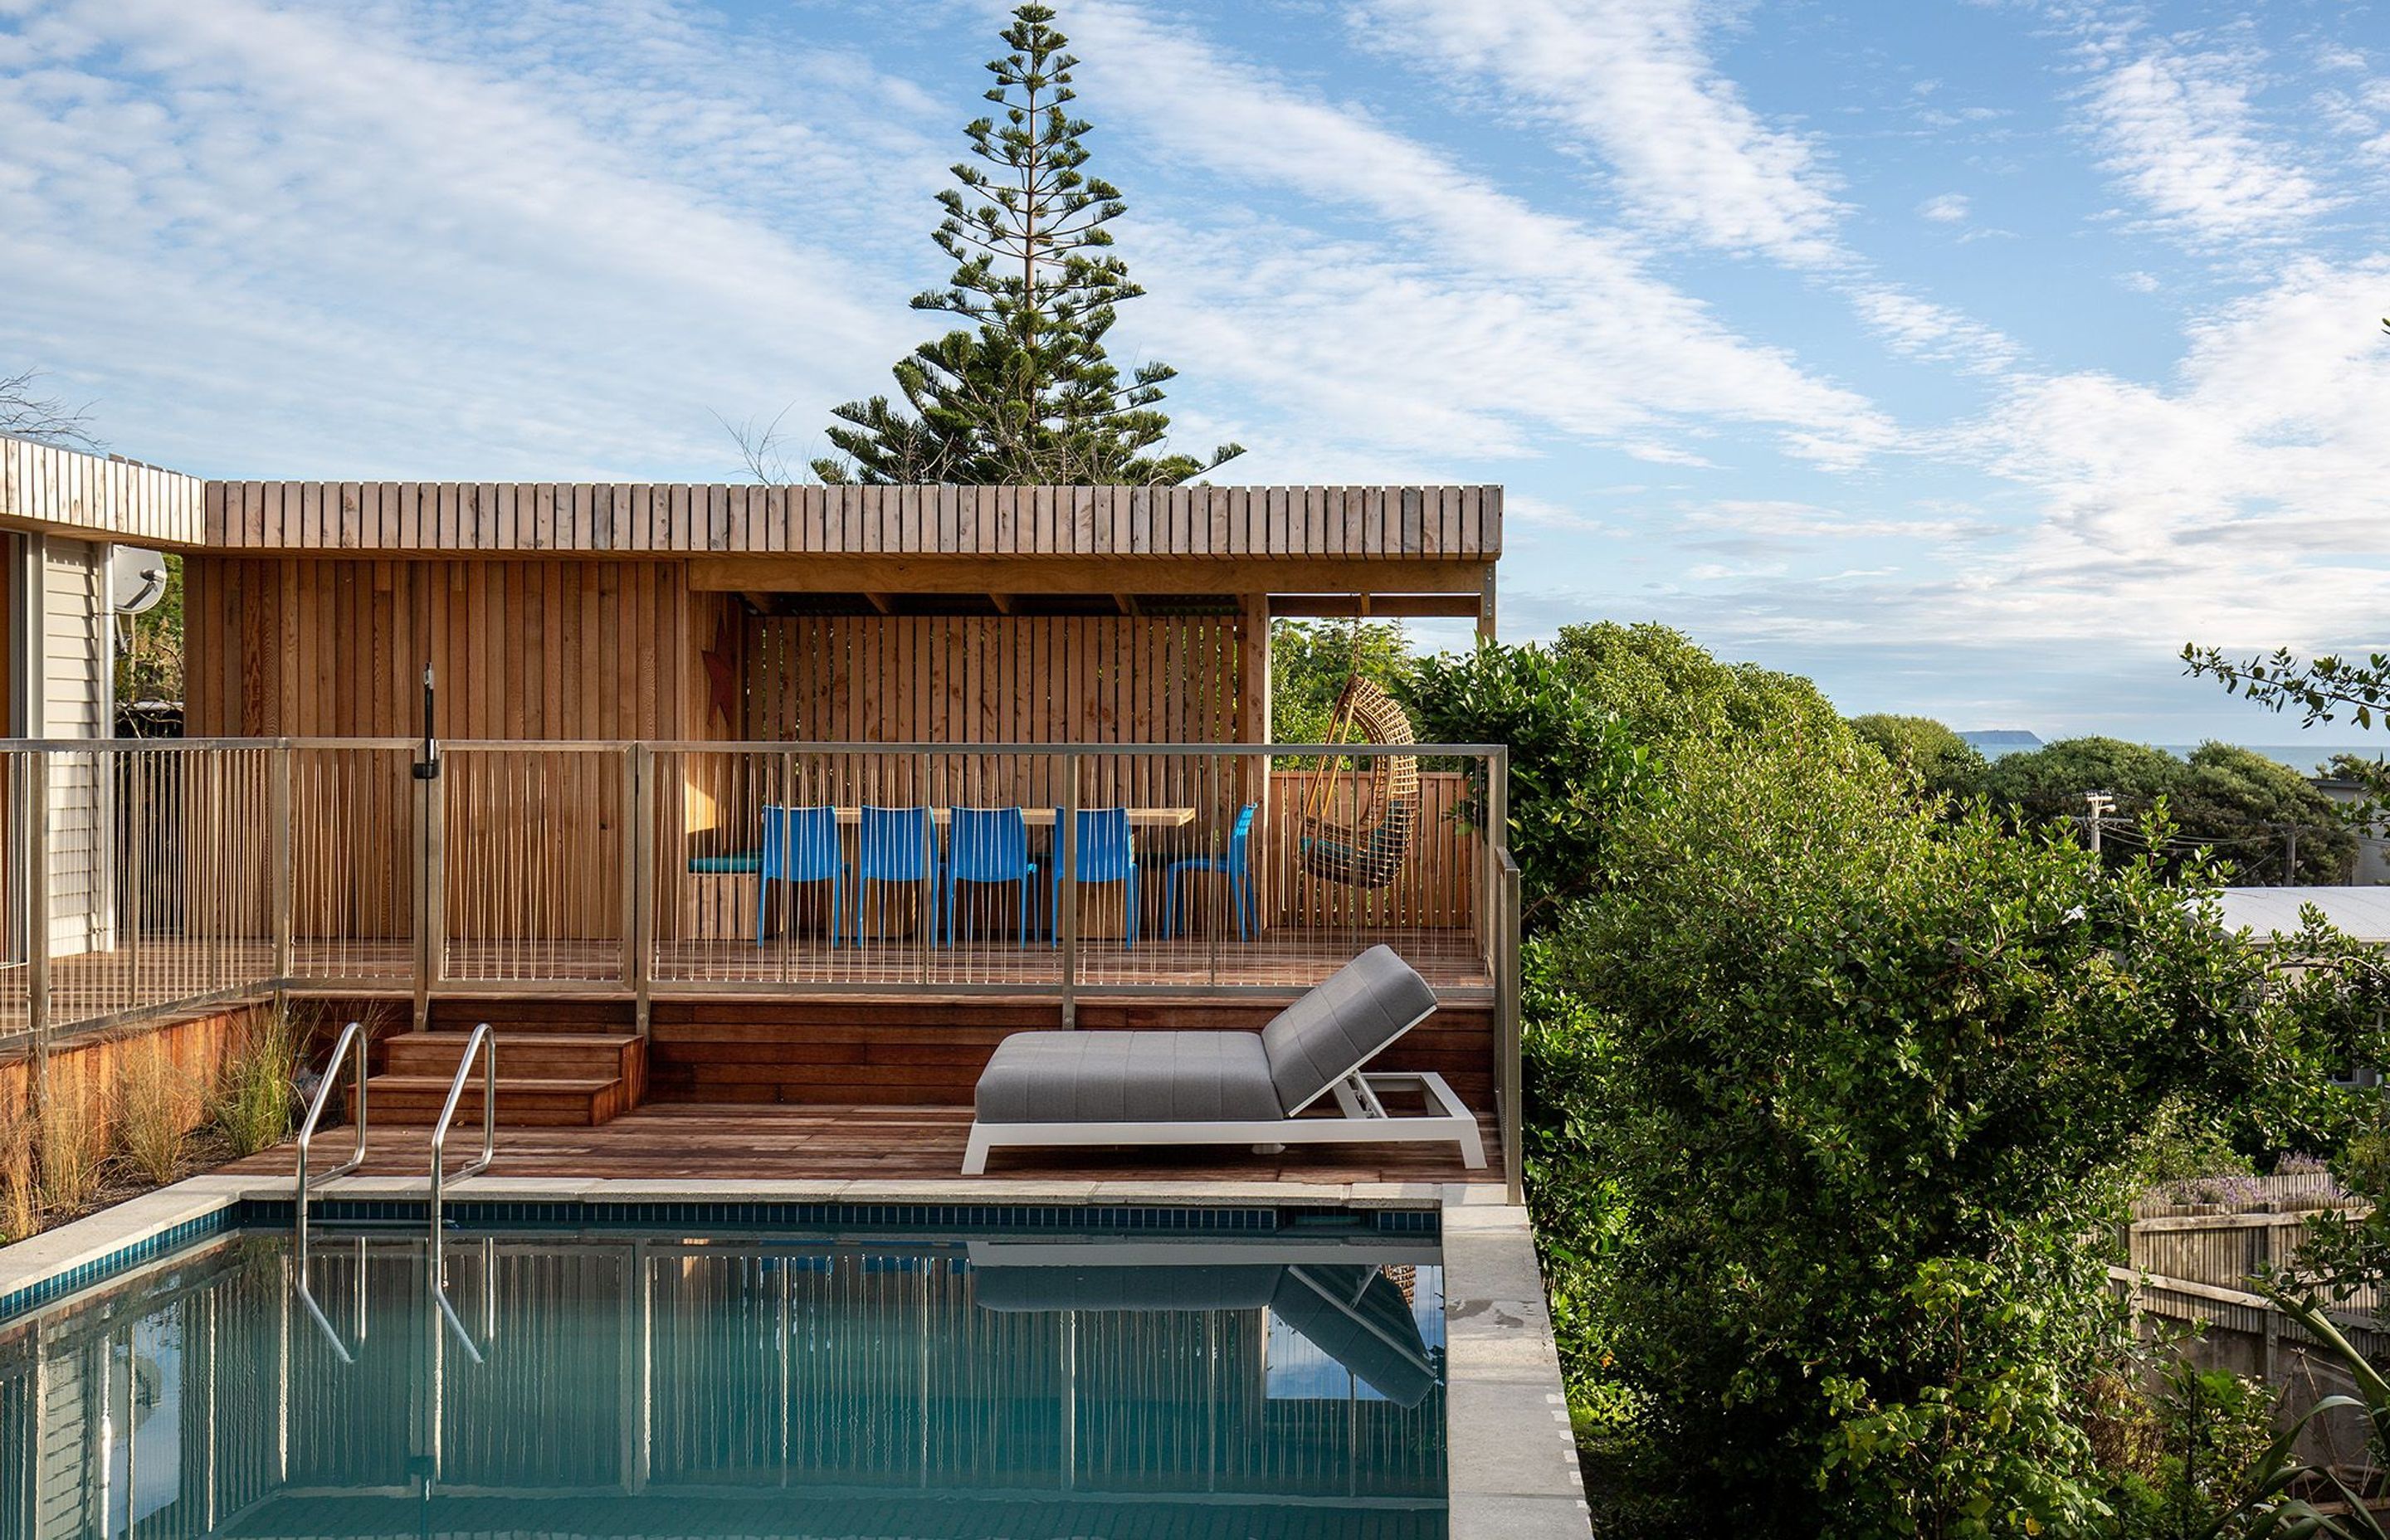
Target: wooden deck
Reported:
point(98, 985)
point(824, 1143)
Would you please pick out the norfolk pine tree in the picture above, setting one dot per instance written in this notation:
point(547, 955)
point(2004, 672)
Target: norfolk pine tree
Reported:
point(1027, 393)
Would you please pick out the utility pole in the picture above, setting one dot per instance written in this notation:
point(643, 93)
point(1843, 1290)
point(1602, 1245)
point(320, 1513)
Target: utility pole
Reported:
point(2101, 804)
point(2290, 855)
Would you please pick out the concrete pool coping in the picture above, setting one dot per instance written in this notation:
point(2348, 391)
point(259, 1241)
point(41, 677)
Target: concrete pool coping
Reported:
point(1510, 1452)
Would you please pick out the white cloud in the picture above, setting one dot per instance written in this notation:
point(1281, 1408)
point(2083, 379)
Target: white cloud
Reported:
point(1920, 329)
point(1635, 79)
point(2244, 504)
point(1945, 208)
point(1459, 307)
point(543, 242)
point(1781, 522)
point(2182, 134)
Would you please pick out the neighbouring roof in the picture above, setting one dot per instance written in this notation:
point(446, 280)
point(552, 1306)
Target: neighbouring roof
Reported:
point(98, 496)
point(2361, 913)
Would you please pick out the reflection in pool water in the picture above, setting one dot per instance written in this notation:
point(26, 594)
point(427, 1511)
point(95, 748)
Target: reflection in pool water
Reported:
point(616, 1385)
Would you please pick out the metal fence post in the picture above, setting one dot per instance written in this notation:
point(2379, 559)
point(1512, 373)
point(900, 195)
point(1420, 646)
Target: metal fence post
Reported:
point(925, 902)
point(1503, 921)
point(37, 916)
point(277, 819)
point(1513, 1095)
point(1066, 891)
point(430, 891)
point(638, 893)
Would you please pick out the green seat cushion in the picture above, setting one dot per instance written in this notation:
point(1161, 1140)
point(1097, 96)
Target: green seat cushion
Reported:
point(751, 862)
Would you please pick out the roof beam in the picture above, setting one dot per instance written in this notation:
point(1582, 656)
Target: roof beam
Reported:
point(1390, 607)
point(1084, 575)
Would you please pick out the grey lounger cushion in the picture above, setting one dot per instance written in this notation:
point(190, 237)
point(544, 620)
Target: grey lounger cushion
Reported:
point(1208, 1076)
point(1128, 1077)
point(1342, 1024)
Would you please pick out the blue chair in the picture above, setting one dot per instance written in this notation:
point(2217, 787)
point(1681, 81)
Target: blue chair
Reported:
point(1107, 852)
point(801, 844)
point(989, 845)
point(891, 844)
point(1237, 866)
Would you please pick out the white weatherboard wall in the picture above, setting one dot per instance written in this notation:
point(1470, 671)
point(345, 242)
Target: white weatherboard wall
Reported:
point(74, 698)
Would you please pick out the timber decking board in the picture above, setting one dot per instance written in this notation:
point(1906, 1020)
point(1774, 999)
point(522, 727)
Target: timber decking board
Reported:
point(862, 1143)
point(583, 974)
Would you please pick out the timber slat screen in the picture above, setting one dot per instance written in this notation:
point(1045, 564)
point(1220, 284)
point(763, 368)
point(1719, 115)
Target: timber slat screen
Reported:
point(1441, 522)
point(97, 495)
point(168, 874)
point(1017, 679)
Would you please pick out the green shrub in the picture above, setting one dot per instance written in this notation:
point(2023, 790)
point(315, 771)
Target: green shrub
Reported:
point(1832, 1103)
point(1944, 763)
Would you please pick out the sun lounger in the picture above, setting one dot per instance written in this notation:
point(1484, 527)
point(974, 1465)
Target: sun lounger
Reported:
point(1054, 1088)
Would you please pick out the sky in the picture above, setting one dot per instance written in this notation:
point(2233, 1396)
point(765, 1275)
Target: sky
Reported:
point(1970, 356)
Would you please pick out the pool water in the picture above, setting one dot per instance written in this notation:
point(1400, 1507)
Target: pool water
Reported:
point(597, 1384)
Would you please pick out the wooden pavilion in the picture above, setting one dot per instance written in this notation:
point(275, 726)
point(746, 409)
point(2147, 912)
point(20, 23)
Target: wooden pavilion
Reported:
point(633, 682)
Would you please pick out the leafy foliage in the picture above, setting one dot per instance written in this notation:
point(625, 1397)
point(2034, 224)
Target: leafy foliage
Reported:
point(1311, 660)
point(2283, 1500)
point(2321, 688)
point(2232, 799)
point(1573, 764)
point(1026, 394)
point(1944, 764)
point(1862, 1081)
point(2183, 1461)
point(1663, 687)
point(1831, 1095)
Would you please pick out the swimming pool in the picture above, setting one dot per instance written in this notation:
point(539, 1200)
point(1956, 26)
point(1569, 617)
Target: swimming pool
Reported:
point(652, 1378)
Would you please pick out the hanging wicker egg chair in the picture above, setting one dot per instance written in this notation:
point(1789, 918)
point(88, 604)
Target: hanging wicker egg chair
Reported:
point(1359, 836)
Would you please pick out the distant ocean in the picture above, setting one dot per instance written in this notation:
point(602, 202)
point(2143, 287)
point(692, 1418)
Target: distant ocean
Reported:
point(2302, 757)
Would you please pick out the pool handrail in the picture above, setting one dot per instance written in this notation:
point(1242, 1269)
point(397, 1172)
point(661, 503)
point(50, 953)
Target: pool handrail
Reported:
point(351, 1045)
point(485, 1046)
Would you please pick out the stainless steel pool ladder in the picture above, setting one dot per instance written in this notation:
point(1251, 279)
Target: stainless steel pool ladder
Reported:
point(485, 1047)
point(351, 1046)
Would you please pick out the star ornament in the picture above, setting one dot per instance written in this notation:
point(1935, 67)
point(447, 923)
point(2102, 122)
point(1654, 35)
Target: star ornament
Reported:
point(722, 673)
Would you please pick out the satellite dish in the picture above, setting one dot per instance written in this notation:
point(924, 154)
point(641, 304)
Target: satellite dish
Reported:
point(136, 579)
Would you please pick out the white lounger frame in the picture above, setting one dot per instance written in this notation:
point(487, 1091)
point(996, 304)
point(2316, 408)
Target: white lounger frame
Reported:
point(1366, 1120)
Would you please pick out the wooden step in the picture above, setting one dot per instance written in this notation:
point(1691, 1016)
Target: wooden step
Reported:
point(532, 1056)
point(414, 1101)
point(514, 1016)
